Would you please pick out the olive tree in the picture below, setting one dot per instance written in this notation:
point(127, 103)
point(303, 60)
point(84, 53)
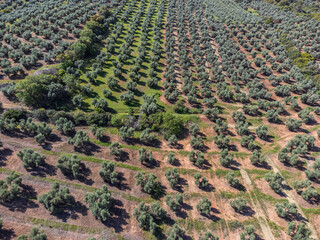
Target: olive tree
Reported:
point(100, 203)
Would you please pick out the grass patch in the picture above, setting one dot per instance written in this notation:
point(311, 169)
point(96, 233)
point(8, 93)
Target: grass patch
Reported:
point(222, 173)
point(64, 226)
point(234, 225)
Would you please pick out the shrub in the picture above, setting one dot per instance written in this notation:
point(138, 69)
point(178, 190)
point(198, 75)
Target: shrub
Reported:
point(30, 158)
point(248, 233)
point(204, 206)
point(257, 158)
point(145, 156)
point(126, 132)
point(69, 165)
point(196, 142)
point(146, 136)
point(107, 172)
point(305, 116)
point(80, 139)
point(57, 199)
point(148, 183)
point(208, 236)
point(172, 176)
point(175, 233)
point(196, 158)
point(221, 141)
point(201, 182)
point(299, 231)
point(174, 203)
point(147, 216)
point(100, 203)
point(115, 149)
point(262, 132)
point(310, 193)
point(238, 204)
point(293, 124)
point(171, 158)
point(226, 158)
point(275, 181)
point(34, 234)
point(173, 140)
point(10, 188)
point(286, 210)
point(233, 182)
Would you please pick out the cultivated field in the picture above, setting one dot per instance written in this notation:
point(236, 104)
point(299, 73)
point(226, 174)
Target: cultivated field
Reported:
point(159, 119)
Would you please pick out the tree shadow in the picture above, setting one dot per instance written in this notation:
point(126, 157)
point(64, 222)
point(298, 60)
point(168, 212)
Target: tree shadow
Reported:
point(119, 216)
point(248, 211)
point(72, 212)
point(85, 172)
point(88, 149)
point(43, 171)
point(4, 153)
point(208, 188)
point(159, 192)
point(120, 184)
point(122, 157)
point(7, 234)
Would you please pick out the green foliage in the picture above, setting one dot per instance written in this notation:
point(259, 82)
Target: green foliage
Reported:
point(238, 204)
point(257, 158)
point(247, 142)
point(204, 206)
point(145, 156)
point(100, 203)
point(248, 233)
point(80, 139)
point(175, 233)
point(65, 126)
point(126, 132)
point(208, 236)
point(16, 114)
point(96, 131)
point(10, 188)
point(69, 165)
point(147, 137)
point(107, 172)
point(310, 194)
point(293, 124)
point(175, 203)
point(147, 182)
point(300, 185)
point(171, 158)
point(226, 158)
point(298, 231)
point(115, 149)
point(286, 210)
point(201, 182)
point(262, 132)
point(196, 158)
point(166, 123)
point(148, 216)
point(30, 158)
point(173, 140)
point(40, 138)
point(275, 181)
point(172, 176)
point(220, 127)
point(57, 199)
point(305, 115)
point(41, 91)
point(222, 141)
point(34, 234)
point(197, 142)
point(233, 182)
